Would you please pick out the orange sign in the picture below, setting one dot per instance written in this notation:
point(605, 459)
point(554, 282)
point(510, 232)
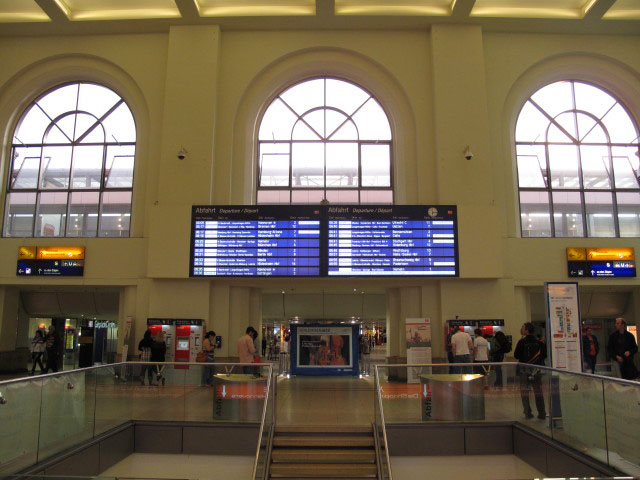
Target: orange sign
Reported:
point(622, 254)
point(26, 253)
point(241, 391)
point(576, 253)
point(60, 253)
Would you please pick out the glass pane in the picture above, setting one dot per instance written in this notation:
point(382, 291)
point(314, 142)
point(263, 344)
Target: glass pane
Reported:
point(376, 165)
point(83, 214)
point(115, 214)
point(84, 122)
point(52, 214)
point(32, 126)
point(592, 99)
point(554, 98)
point(87, 166)
point(620, 126)
point(273, 164)
point(343, 196)
point(26, 163)
point(532, 124)
point(56, 163)
point(20, 420)
point(568, 123)
point(595, 166)
point(563, 162)
point(316, 120)
point(535, 216)
point(304, 96)
point(19, 214)
point(273, 196)
point(590, 131)
point(60, 100)
point(307, 196)
point(119, 125)
point(119, 166)
point(532, 165)
point(629, 214)
point(308, 165)
point(567, 214)
point(626, 166)
point(372, 122)
point(168, 402)
point(623, 417)
point(277, 122)
point(339, 127)
point(599, 209)
point(57, 135)
point(342, 164)
point(345, 96)
point(96, 99)
point(67, 412)
point(384, 197)
point(114, 397)
point(301, 131)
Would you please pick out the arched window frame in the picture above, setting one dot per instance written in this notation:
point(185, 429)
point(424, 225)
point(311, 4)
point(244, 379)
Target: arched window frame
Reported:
point(288, 194)
point(122, 220)
point(586, 218)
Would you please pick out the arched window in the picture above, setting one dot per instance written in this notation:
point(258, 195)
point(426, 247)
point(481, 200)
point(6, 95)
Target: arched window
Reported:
point(578, 164)
point(324, 139)
point(71, 172)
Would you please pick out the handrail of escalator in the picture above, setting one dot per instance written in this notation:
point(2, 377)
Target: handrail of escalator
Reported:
point(376, 440)
point(384, 428)
point(264, 416)
point(269, 449)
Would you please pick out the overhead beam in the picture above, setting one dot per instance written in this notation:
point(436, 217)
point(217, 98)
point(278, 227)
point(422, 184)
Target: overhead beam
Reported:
point(462, 8)
point(189, 9)
point(55, 9)
point(595, 9)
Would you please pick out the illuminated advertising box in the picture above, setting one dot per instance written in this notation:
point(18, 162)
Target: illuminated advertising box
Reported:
point(50, 261)
point(601, 262)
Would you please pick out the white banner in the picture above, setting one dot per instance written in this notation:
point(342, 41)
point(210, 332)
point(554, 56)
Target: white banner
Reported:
point(563, 326)
point(418, 337)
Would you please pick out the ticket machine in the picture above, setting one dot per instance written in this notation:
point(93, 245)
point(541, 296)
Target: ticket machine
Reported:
point(157, 325)
point(188, 340)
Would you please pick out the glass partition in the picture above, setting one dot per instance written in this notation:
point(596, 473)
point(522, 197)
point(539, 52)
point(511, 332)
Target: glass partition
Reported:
point(263, 453)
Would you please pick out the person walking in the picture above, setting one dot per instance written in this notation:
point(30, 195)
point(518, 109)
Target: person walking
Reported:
point(208, 347)
point(461, 347)
point(590, 349)
point(158, 354)
point(246, 349)
point(621, 349)
point(52, 346)
point(38, 347)
point(530, 351)
point(145, 356)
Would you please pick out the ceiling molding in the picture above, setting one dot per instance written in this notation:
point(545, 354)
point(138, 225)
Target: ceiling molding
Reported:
point(462, 8)
point(595, 10)
point(189, 9)
point(325, 8)
point(56, 10)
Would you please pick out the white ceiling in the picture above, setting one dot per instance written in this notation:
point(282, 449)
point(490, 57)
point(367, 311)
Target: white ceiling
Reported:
point(45, 17)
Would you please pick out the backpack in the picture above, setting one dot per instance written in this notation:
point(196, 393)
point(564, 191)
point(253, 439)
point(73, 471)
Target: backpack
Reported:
point(495, 346)
point(506, 346)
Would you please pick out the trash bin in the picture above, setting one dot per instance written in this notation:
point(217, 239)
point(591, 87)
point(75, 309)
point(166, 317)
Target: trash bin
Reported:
point(453, 397)
point(238, 397)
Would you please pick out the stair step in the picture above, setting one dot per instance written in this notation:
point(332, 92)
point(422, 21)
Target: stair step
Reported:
point(323, 429)
point(323, 470)
point(323, 456)
point(322, 441)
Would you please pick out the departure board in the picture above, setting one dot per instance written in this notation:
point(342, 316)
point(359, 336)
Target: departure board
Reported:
point(399, 240)
point(265, 240)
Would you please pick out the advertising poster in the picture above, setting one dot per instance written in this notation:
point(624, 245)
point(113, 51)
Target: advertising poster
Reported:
point(563, 326)
point(324, 350)
point(418, 339)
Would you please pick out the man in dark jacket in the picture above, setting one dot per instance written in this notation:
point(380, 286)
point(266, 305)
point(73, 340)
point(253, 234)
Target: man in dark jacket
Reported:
point(531, 351)
point(621, 348)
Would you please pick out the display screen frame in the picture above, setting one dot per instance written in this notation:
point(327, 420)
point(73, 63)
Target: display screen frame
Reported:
point(325, 214)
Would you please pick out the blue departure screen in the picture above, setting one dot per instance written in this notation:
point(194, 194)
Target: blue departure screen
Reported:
point(402, 240)
point(255, 241)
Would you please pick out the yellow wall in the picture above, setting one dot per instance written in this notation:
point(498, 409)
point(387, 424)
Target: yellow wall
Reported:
point(203, 89)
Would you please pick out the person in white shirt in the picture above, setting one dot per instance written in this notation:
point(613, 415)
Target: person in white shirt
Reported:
point(480, 350)
point(461, 347)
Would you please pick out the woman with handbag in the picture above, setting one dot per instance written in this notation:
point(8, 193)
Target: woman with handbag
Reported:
point(208, 349)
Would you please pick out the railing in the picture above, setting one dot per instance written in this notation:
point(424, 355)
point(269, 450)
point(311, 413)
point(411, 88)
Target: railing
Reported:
point(267, 424)
point(384, 467)
point(44, 415)
point(596, 415)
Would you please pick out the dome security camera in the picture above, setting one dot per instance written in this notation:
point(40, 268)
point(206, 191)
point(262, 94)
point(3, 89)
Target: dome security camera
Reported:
point(182, 154)
point(468, 154)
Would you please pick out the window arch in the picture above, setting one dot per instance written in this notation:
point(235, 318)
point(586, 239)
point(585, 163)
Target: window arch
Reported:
point(578, 164)
point(324, 138)
point(72, 163)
